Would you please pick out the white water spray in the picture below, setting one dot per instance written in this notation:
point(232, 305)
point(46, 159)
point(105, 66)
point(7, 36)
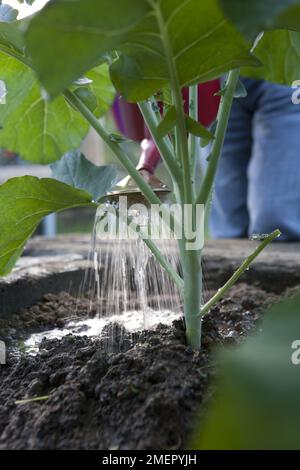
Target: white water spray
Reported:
point(126, 277)
point(127, 285)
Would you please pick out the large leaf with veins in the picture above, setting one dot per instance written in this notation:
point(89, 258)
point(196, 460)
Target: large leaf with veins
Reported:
point(279, 53)
point(278, 50)
point(74, 169)
point(24, 202)
point(66, 38)
point(31, 126)
point(39, 130)
point(257, 15)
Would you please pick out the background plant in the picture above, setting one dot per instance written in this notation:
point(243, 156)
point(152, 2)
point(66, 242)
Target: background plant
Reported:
point(148, 46)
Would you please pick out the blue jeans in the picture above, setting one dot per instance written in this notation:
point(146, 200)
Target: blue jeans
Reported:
point(257, 187)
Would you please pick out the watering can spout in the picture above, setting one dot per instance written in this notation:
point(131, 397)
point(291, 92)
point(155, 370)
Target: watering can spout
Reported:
point(128, 188)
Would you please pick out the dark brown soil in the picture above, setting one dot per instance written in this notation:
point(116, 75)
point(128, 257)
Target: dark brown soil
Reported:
point(118, 392)
point(52, 312)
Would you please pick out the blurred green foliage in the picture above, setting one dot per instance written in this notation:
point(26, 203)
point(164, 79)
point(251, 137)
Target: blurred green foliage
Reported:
point(257, 405)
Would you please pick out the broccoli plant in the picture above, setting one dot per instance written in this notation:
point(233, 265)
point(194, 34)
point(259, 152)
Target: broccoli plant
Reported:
point(148, 47)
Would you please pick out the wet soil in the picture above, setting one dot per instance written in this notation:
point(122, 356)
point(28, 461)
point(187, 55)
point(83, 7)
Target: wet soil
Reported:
point(123, 391)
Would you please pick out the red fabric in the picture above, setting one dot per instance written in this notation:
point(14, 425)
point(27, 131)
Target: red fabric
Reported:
point(208, 103)
point(134, 128)
point(132, 122)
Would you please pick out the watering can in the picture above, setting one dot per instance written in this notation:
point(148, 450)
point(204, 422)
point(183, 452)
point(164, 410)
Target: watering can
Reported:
point(127, 187)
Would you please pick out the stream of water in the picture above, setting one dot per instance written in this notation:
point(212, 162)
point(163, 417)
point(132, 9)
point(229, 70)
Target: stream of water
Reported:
point(128, 281)
point(129, 286)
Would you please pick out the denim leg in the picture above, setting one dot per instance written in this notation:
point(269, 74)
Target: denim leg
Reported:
point(274, 169)
point(229, 214)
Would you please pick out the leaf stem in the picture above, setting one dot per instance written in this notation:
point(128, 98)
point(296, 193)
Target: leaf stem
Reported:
point(193, 112)
point(222, 119)
point(178, 102)
point(157, 253)
point(15, 54)
point(146, 189)
point(234, 278)
point(164, 263)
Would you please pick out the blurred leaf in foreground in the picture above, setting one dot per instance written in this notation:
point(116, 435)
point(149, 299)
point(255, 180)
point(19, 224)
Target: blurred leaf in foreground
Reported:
point(258, 401)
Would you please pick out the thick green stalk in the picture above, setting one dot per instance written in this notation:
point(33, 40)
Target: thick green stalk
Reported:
point(222, 123)
point(192, 274)
point(204, 194)
point(191, 261)
point(161, 143)
point(234, 278)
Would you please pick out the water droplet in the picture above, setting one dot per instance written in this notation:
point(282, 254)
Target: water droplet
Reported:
point(259, 236)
